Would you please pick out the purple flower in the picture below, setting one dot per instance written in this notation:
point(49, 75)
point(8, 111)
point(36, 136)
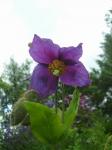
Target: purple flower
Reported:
point(49, 103)
point(55, 64)
point(85, 102)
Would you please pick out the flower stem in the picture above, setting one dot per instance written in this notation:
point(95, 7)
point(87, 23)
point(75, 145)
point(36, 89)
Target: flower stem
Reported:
point(56, 101)
point(63, 105)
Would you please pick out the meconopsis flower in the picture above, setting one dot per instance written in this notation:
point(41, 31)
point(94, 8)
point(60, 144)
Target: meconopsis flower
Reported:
point(56, 63)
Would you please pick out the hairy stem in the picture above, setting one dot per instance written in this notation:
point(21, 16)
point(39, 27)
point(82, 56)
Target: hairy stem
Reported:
point(56, 101)
point(63, 105)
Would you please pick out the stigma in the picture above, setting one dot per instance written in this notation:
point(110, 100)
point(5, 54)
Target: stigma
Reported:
point(57, 67)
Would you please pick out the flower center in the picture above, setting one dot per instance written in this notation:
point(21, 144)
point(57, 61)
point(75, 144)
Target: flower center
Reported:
point(57, 67)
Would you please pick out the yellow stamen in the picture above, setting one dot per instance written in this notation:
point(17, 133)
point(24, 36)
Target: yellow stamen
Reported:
point(57, 67)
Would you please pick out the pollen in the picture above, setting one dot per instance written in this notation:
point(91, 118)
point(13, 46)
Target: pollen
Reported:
point(57, 67)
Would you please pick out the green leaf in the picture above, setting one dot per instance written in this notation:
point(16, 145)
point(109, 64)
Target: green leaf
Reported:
point(71, 112)
point(19, 113)
point(45, 123)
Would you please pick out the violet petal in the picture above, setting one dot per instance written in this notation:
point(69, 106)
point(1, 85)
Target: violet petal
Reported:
point(43, 50)
point(76, 75)
point(43, 81)
point(71, 55)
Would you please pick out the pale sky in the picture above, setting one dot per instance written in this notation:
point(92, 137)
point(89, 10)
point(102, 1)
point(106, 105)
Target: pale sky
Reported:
point(66, 22)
